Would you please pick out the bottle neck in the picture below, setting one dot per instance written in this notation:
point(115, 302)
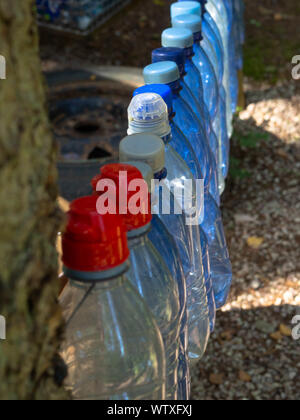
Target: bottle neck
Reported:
point(203, 3)
point(198, 38)
point(175, 86)
point(97, 276)
point(161, 174)
point(158, 126)
point(138, 233)
point(189, 53)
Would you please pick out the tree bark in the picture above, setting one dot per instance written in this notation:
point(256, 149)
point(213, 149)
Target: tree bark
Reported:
point(29, 217)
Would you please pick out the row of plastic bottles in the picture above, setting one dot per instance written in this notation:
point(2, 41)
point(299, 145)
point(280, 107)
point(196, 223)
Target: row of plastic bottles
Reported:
point(146, 271)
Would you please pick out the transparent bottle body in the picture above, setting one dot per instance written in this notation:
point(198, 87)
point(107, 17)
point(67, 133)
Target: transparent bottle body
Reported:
point(213, 15)
point(194, 81)
point(220, 15)
point(228, 5)
point(151, 277)
point(166, 246)
point(112, 347)
point(197, 305)
point(188, 123)
point(220, 274)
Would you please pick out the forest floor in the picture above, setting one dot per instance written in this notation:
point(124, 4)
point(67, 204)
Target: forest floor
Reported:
point(252, 354)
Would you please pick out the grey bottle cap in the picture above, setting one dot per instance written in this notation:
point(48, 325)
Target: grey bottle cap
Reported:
point(144, 147)
point(161, 73)
point(177, 37)
point(144, 169)
point(191, 22)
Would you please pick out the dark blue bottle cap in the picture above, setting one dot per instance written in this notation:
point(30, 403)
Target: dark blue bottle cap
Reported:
point(162, 90)
point(170, 54)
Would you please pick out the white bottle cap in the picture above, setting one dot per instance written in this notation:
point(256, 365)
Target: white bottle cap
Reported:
point(148, 113)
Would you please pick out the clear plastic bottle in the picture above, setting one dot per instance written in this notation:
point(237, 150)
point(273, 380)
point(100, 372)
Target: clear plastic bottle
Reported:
point(171, 73)
point(112, 347)
point(182, 37)
point(148, 272)
point(150, 149)
point(167, 248)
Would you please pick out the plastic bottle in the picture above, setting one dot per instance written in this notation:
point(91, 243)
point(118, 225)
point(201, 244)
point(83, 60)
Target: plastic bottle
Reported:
point(211, 42)
point(167, 72)
point(167, 249)
point(193, 23)
point(150, 149)
point(220, 15)
point(180, 144)
point(217, 41)
point(148, 272)
point(182, 37)
point(112, 347)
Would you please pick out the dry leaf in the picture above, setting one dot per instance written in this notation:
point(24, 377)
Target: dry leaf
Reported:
point(226, 335)
point(216, 378)
point(255, 242)
point(277, 336)
point(244, 376)
point(278, 16)
point(285, 330)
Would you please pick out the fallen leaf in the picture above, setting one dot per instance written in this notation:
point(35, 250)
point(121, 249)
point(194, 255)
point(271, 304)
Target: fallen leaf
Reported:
point(244, 376)
point(282, 153)
point(226, 335)
point(285, 330)
point(255, 242)
point(277, 336)
point(278, 16)
point(216, 378)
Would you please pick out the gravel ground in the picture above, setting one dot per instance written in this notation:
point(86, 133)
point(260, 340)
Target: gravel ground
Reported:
point(252, 354)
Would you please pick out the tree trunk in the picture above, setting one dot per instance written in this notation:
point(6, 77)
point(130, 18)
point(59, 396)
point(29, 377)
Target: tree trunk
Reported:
point(29, 218)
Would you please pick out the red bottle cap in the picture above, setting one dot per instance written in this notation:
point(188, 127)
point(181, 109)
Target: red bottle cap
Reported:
point(93, 242)
point(112, 172)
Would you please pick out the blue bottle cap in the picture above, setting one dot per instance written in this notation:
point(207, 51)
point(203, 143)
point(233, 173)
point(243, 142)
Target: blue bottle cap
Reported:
point(186, 8)
point(161, 72)
point(162, 90)
point(170, 54)
point(180, 37)
point(191, 22)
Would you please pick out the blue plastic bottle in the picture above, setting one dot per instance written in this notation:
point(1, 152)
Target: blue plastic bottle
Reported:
point(193, 23)
point(167, 72)
point(212, 224)
point(220, 15)
point(181, 145)
point(211, 33)
point(150, 149)
point(182, 37)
